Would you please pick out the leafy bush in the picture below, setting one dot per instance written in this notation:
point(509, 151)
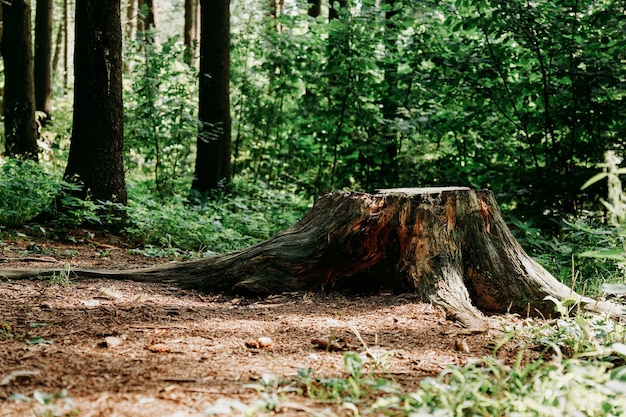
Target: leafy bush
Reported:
point(25, 191)
point(220, 224)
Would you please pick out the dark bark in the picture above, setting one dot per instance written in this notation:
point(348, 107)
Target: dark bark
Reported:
point(43, 49)
point(213, 164)
point(450, 246)
point(190, 31)
point(20, 127)
point(315, 8)
point(96, 150)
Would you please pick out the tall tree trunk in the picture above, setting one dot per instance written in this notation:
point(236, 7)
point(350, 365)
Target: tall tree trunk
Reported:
point(212, 168)
point(58, 47)
point(131, 19)
point(20, 128)
point(191, 34)
point(43, 49)
point(66, 44)
point(1, 86)
point(97, 143)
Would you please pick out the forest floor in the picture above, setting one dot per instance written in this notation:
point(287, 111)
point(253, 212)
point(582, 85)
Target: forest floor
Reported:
point(137, 349)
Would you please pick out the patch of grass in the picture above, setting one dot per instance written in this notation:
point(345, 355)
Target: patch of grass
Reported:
point(6, 330)
point(61, 278)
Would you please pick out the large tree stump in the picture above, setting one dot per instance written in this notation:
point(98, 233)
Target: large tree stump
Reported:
point(448, 245)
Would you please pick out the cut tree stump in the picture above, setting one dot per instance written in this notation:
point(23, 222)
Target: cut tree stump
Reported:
point(448, 245)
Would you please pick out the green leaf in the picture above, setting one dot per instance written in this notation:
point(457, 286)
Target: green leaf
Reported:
point(599, 176)
point(38, 341)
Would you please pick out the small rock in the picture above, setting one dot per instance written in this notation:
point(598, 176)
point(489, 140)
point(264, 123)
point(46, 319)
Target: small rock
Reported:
point(112, 341)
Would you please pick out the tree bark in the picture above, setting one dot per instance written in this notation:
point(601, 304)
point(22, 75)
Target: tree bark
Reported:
point(66, 45)
point(131, 19)
point(315, 8)
point(190, 31)
point(43, 49)
point(96, 150)
point(213, 165)
point(20, 128)
point(448, 245)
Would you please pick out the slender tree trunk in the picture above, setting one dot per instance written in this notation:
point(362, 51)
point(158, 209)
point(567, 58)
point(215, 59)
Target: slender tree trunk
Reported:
point(97, 143)
point(43, 49)
point(2, 86)
point(191, 35)
point(58, 46)
point(20, 127)
point(66, 45)
point(131, 19)
point(213, 164)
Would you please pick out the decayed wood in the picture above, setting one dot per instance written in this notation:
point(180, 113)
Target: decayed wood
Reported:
point(448, 245)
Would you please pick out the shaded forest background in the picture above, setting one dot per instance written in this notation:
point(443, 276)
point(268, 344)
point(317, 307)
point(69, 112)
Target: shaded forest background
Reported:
point(520, 97)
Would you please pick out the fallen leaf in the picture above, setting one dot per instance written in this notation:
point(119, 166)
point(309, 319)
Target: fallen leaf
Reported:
point(159, 348)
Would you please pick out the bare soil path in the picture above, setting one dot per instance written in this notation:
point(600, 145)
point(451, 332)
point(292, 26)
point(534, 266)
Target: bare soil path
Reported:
point(139, 349)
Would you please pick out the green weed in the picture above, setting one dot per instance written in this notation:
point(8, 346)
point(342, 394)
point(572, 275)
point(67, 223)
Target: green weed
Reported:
point(61, 278)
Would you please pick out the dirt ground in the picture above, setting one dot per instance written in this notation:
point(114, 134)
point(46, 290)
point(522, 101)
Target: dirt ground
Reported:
point(136, 349)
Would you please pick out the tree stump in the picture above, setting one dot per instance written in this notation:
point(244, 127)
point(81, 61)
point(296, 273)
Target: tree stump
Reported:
point(448, 245)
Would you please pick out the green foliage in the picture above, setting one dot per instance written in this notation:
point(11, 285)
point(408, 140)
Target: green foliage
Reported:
point(25, 191)
point(522, 99)
point(160, 113)
point(569, 253)
point(220, 224)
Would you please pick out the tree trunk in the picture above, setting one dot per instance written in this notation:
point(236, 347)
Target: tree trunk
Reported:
point(131, 19)
point(190, 32)
point(448, 245)
point(212, 168)
point(20, 128)
point(43, 48)
point(315, 8)
point(58, 47)
point(97, 143)
point(66, 45)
